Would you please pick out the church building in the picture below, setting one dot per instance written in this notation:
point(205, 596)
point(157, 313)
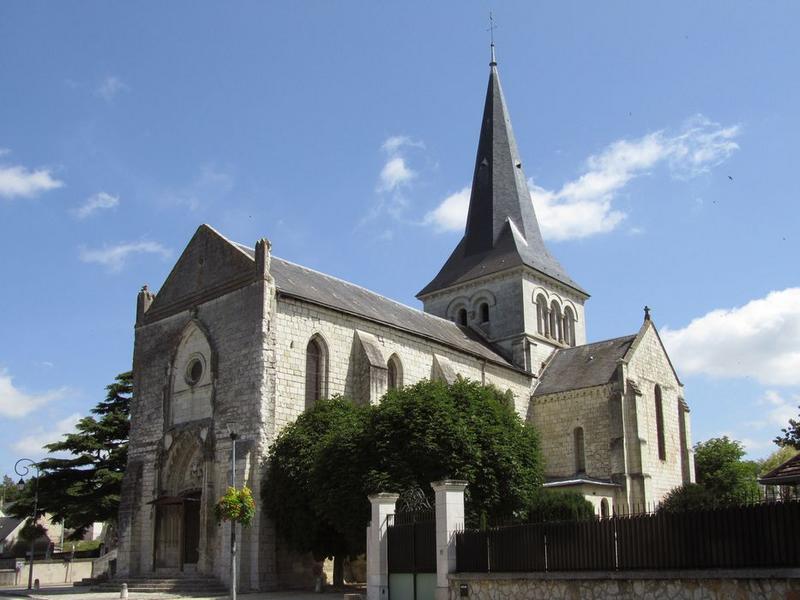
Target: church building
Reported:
point(240, 341)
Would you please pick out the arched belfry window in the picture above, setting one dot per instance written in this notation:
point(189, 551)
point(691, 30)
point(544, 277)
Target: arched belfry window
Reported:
point(484, 310)
point(662, 445)
point(541, 315)
point(316, 370)
point(556, 323)
point(461, 317)
point(580, 450)
point(569, 326)
point(394, 372)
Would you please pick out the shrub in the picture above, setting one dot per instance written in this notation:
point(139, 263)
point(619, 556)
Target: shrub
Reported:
point(688, 497)
point(559, 505)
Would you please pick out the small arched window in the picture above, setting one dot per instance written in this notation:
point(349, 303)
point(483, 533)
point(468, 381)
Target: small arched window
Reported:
point(394, 373)
point(541, 315)
point(662, 445)
point(580, 450)
point(604, 512)
point(461, 317)
point(316, 366)
point(484, 310)
point(569, 326)
point(556, 322)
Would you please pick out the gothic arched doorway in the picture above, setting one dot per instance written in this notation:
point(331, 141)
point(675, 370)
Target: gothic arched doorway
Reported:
point(179, 507)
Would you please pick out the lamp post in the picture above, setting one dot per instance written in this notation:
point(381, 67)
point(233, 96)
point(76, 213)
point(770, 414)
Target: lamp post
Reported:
point(234, 437)
point(22, 467)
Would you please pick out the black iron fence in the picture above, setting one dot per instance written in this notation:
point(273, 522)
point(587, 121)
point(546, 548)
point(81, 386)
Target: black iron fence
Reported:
point(758, 535)
point(412, 542)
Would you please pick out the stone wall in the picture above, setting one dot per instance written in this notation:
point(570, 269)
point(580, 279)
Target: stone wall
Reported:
point(707, 585)
point(648, 367)
point(297, 321)
point(557, 415)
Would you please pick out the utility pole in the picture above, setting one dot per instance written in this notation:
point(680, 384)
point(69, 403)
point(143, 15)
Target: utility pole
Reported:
point(234, 436)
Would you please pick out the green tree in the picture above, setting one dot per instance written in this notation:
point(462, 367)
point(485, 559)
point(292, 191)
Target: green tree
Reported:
point(84, 487)
point(722, 472)
point(777, 458)
point(307, 491)
point(687, 497)
point(8, 490)
point(321, 468)
point(432, 431)
point(791, 434)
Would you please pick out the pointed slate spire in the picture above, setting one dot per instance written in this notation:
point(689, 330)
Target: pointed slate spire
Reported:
point(502, 230)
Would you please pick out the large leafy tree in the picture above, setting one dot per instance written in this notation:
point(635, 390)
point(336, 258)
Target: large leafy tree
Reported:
point(80, 482)
point(791, 434)
point(722, 472)
point(322, 467)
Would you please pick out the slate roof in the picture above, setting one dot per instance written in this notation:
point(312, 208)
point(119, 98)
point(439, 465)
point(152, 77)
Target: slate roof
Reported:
point(583, 366)
point(301, 282)
point(785, 474)
point(502, 230)
point(7, 525)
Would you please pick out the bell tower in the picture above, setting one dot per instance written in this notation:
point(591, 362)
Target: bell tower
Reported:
point(501, 280)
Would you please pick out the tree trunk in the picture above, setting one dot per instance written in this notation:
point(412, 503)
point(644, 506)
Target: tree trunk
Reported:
point(338, 570)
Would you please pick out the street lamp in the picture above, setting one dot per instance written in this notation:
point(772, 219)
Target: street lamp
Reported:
point(234, 437)
point(22, 467)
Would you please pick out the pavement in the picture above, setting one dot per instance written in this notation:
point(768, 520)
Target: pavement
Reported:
point(77, 593)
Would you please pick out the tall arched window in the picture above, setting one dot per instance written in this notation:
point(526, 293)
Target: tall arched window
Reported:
point(395, 372)
point(484, 310)
point(541, 315)
point(556, 322)
point(662, 445)
point(316, 367)
point(569, 326)
point(461, 317)
point(580, 451)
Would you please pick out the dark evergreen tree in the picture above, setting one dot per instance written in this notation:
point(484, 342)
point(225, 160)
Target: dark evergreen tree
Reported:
point(84, 487)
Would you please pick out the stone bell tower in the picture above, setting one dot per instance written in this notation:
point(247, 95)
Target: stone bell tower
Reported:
point(501, 281)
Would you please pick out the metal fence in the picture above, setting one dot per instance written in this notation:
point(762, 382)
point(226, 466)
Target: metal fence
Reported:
point(758, 535)
point(412, 542)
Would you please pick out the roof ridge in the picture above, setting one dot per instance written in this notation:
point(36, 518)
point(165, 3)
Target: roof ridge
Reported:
point(355, 285)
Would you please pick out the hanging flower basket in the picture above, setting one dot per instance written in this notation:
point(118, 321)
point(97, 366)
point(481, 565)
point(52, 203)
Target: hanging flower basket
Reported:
point(237, 506)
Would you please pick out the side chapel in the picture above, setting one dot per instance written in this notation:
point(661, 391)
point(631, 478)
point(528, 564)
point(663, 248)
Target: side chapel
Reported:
point(240, 340)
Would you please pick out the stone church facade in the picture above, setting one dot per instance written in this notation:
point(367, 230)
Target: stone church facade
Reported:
point(240, 340)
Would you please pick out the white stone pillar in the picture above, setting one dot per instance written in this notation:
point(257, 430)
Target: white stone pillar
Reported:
point(449, 519)
point(383, 505)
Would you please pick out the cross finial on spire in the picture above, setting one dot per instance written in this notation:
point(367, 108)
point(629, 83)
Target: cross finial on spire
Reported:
point(491, 29)
point(646, 313)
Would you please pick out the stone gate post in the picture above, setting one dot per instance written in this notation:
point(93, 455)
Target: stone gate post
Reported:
point(377, 546)
point(449, 519)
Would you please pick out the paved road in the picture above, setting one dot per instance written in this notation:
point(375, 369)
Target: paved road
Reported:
point(72, 593)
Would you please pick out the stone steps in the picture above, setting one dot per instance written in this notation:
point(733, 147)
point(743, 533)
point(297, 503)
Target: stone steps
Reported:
point(188, 585)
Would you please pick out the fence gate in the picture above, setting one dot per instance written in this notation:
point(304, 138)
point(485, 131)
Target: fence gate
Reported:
point(412, 555)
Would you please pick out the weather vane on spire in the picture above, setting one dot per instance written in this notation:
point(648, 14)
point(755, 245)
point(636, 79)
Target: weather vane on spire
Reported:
point(492, 27)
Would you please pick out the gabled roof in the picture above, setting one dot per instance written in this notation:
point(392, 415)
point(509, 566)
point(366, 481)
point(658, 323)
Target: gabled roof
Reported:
point(584, 366)
point(502, 230)
point(786, 474)
point(7, 526)
point(306, 284)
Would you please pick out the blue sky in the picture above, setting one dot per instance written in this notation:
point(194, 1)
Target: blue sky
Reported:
point(660, 145)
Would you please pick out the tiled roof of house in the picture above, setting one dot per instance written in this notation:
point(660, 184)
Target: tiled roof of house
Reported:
point(787, 473)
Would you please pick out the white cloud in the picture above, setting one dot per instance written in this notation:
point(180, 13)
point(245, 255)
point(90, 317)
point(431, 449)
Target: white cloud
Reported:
point(95, 202)
point(451, 214)
point(33, 442)
point(394, 143)
point(114, 257)
point(584, 206)
point(395, 173)
point(211, 184)
point(15, 403)
point(779, 408)
point(760, 340)
point(19, 181)
point(110, 87)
